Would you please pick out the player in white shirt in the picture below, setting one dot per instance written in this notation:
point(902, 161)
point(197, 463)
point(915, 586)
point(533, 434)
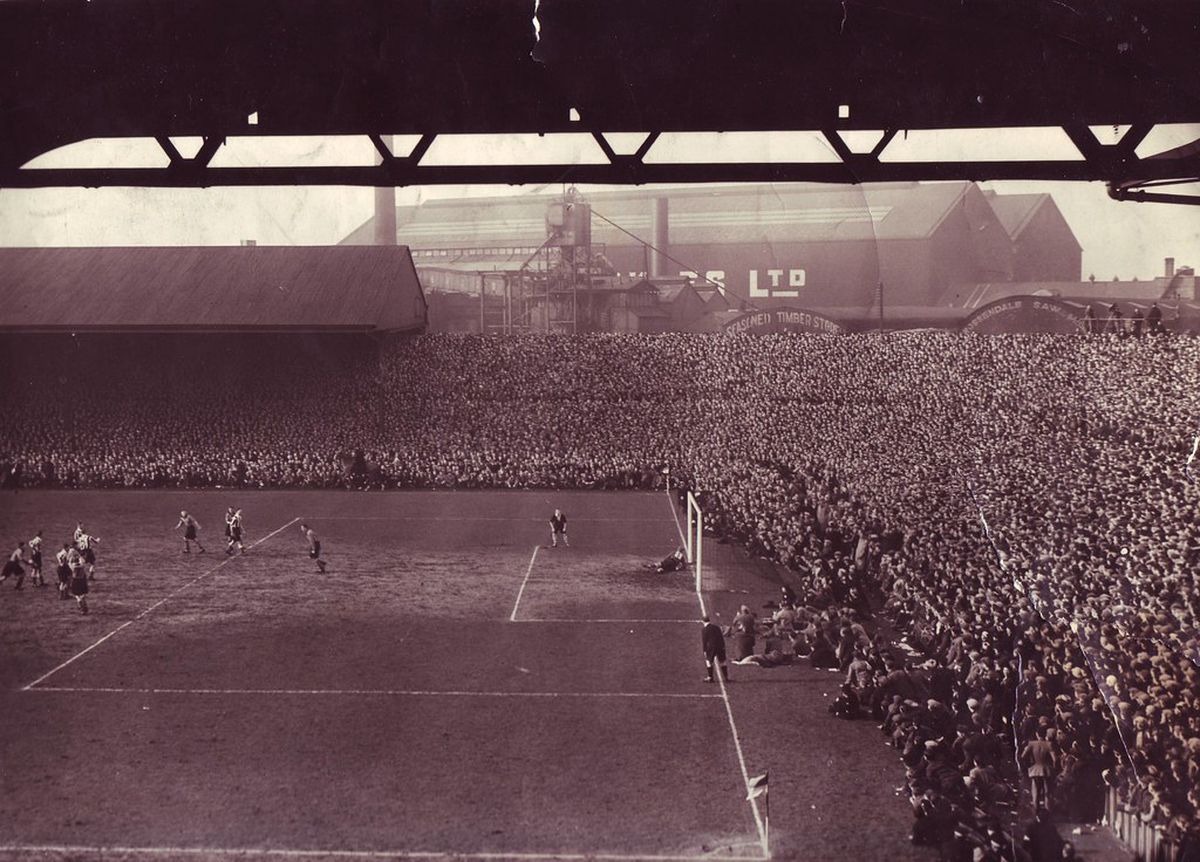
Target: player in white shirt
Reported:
point(35, 560)
point(235, 532)
point(84, 542)
point(62, 559)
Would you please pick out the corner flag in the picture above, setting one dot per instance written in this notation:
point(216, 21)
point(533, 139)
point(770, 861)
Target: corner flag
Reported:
point(757, 786)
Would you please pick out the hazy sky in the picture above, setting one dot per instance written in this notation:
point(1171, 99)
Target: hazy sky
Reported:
point(1121, 239)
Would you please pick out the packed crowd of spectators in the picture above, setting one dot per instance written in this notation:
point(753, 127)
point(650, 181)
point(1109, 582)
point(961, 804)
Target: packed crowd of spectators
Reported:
point(1022, 507)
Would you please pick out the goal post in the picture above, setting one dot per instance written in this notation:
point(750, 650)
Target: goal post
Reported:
point(695, 537)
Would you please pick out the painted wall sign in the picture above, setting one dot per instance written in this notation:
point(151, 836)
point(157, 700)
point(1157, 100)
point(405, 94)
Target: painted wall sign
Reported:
point(781, 320)
point(1024, 314)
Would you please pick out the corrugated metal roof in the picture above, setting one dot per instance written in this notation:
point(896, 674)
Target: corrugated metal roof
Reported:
point(209, 287)
point(648, 313)
point(723, 214)
point(979, 295)
point(669, 293)
point(712, 297)
point(476, 266)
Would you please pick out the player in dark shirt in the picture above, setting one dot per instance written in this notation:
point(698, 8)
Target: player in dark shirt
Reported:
point(190, 528)
point(79, 578)
point(675, 562)
point(13, 566)
point(713, 641)
point(314, 546)
point(558, 529)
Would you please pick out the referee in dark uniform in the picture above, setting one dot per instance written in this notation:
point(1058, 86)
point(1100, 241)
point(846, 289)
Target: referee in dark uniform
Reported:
point(713, 642)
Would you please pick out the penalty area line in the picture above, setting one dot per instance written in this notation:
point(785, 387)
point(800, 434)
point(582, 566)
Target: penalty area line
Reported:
point(154, 607)
point(360, 854)
point(458, 519)
point(372, 692)
point(616, 620)
point(517, 604)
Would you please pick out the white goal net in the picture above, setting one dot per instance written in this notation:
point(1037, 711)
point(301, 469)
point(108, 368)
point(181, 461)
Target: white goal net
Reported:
point(695, 537)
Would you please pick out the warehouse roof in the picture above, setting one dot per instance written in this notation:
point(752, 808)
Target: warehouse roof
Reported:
point(210, 288)
point(668, 293)
point(1016, 212)
point(698, 214)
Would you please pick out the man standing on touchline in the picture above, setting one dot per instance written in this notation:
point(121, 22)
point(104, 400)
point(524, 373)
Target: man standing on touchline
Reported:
point(713, 641)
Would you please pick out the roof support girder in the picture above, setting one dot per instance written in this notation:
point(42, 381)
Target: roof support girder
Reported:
point(1116, 164)
point(405, 172)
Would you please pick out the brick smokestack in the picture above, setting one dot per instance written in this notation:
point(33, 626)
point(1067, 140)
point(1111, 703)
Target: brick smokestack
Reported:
point(385, 210)
point(660, 236)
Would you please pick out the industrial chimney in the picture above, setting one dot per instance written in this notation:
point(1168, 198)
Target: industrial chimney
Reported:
point(385, 209)
point(660, 233)
point(1170, 267)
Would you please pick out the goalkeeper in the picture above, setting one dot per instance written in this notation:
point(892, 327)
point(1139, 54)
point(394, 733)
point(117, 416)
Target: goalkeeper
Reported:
point(675, 562)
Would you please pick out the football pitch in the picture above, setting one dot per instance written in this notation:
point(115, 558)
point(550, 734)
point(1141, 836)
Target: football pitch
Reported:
point(450, 687)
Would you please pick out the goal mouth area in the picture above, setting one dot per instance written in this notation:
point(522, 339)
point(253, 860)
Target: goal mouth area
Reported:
point(695, 538)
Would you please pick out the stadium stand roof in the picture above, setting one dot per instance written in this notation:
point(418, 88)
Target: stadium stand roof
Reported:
point(366, 68)
point(767, 212)
point(210, 288)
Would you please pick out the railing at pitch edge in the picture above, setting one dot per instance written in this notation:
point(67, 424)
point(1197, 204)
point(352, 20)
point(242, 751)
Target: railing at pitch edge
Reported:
point(1147, 841)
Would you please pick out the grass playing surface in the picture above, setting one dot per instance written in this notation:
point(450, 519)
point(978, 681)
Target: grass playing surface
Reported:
point(447, 687)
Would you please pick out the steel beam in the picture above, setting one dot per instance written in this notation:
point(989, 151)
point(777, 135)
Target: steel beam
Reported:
point(625, 171)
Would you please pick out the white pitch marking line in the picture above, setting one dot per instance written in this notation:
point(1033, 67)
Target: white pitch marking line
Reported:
point(521, 591)
point(402, 518)
point(153, 607)
point(737, 743)
point(614, 620)
point(368, 692)
point(358, 854)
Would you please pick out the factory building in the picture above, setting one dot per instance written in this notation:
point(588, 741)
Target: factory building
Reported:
point(835, 249)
